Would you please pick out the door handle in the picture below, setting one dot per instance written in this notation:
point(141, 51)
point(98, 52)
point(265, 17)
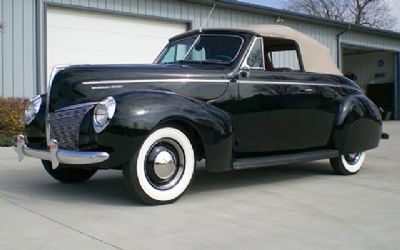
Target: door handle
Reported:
point(308, 90)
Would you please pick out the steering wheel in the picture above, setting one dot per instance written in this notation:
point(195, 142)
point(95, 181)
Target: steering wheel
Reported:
point(224, 58)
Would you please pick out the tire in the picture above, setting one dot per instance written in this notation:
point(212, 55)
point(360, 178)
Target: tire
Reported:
point(348, 164)
point(68, 175)
point(163, 167)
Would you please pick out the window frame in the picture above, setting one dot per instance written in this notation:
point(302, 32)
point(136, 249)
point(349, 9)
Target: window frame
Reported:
point(298, 53)
point(165, 49)
point(253, 43)
point(297, 48)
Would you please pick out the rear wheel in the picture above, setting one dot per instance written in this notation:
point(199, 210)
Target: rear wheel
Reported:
point(162, 169)
point(348, 164)
point(67, 174)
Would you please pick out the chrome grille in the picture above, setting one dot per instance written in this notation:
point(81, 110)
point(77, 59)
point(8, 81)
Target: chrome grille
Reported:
point(65, 124)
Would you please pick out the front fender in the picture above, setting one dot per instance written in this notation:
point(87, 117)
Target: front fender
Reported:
point(358, 125)
point(36, 131)
point(138, 113)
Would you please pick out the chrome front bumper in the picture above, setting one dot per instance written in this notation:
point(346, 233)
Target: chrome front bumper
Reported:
point(57, 156)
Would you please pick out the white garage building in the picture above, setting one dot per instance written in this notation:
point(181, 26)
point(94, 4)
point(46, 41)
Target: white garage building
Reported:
point(38, 34)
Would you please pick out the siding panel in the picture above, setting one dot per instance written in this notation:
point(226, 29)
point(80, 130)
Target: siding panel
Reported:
point(8, 62)
point(17, 49)
point(18, 53)
point(1, 51)
point(29, 49)
point(371, 41)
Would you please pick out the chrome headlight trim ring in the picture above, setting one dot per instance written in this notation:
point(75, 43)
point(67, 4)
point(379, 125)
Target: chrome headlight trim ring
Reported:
point(32, 109)
point(103, 113)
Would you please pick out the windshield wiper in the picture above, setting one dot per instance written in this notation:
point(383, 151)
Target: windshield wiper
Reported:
point(216, 61)
point(213, 61)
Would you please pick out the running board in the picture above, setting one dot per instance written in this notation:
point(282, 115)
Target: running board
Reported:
point(266, 161)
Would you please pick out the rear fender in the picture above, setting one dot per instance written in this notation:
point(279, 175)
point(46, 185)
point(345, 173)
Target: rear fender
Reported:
point(358, 125)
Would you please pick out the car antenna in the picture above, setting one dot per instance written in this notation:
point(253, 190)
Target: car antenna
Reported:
point(209, 15)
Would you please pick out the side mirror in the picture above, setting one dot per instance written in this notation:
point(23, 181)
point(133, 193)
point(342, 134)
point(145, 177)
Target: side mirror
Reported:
point(244, 71)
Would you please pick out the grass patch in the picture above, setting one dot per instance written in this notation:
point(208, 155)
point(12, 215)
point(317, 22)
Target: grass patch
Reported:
point(6, 141)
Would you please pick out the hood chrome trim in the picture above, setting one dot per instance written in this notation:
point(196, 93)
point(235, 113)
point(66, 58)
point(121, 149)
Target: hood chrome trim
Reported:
point(183, 80)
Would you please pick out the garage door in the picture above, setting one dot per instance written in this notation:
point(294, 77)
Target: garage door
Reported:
point(89, 37)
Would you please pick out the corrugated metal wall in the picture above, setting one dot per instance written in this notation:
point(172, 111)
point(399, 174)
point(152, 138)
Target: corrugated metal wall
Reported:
point(17, 48)
point(369, 40)
point(17, 43)
point(196, 13)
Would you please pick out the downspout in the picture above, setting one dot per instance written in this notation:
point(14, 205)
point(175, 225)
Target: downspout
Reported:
point(38, 50)
point(338, 57)
point(397, 88)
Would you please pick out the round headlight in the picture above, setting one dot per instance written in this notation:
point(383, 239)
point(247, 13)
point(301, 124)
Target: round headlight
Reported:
point(32, 109)
point(103, 113)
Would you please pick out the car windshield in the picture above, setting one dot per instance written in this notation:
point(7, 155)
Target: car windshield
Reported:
point(202, 49)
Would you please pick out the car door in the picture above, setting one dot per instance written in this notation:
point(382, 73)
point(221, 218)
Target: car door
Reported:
point(310, 111)
point(259, 115)
point(279, 111)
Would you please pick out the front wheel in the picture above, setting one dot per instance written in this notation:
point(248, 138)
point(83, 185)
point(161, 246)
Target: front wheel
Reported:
point(68, 174)
point(162, 169)
point(348, 164)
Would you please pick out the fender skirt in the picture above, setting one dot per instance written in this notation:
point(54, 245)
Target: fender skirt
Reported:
point(358, 125)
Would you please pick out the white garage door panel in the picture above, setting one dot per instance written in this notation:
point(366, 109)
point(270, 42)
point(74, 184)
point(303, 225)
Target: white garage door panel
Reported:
point(86, 37)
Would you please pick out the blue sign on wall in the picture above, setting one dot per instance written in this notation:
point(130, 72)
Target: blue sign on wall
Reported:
point(381, 63)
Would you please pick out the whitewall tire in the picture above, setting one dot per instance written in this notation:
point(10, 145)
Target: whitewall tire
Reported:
point(162, 169)
point(348, 164)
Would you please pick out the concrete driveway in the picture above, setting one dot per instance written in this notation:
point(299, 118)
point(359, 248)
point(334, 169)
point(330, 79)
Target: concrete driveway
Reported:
point(302, 206)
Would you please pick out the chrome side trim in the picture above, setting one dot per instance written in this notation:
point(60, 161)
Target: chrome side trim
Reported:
point(77, 106)
point(183, 80)
point(57, 156)
point(295, 83)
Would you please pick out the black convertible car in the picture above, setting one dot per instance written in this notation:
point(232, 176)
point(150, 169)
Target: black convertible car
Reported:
point(238, 98)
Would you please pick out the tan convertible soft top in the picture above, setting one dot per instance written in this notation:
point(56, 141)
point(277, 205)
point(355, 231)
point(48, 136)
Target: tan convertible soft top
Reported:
point(316, 56)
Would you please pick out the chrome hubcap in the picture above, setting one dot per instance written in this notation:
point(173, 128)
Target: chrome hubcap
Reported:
point(164, 165)
point(353, 158)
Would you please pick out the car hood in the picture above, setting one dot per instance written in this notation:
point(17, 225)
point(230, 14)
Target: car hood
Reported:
point(91, 83)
